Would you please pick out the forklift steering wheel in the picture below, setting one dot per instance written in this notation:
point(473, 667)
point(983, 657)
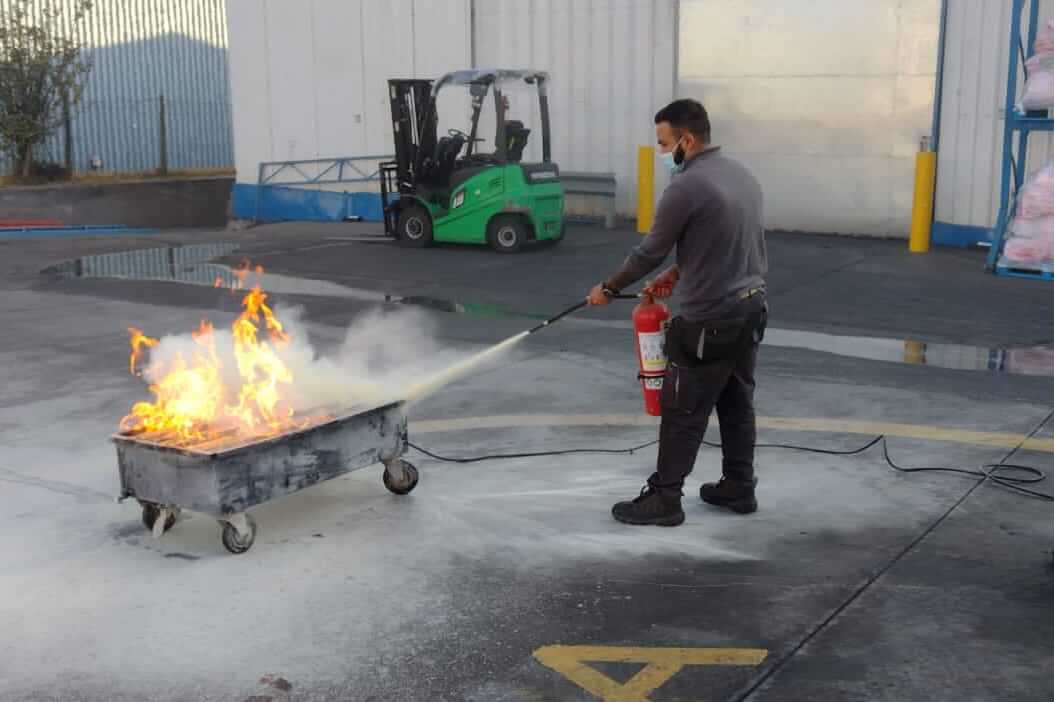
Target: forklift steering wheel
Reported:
point(458, 132)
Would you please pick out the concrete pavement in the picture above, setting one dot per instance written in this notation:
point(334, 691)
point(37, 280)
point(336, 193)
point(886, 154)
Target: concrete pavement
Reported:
point(507, 579)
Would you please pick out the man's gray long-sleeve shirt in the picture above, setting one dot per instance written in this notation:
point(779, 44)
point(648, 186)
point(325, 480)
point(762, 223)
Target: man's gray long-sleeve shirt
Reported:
point(712, 213)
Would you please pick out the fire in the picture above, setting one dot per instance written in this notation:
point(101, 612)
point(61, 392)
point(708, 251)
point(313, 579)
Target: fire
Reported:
point(258, 363)
point(139, 341)
point(191, 402)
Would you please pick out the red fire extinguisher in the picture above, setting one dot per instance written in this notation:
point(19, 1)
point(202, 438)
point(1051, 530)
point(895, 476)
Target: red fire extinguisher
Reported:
point(650, 319)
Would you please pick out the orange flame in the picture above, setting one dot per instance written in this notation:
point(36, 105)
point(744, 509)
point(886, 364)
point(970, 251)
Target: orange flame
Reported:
point(139, 342)
point(191, 402)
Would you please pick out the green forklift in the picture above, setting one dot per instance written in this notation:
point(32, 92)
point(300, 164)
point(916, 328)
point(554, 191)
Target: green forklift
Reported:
point(454, 189)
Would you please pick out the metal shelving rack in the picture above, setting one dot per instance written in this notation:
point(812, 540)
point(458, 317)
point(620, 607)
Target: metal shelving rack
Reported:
point(1015, 151)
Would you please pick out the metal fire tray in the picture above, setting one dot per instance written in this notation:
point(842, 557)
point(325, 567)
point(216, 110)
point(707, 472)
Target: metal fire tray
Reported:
point(224, 483)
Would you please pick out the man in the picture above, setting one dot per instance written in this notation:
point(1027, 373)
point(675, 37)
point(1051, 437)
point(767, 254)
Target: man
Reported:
point(712, 214)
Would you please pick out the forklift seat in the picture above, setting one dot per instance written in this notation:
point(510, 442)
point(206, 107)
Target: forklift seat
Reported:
point(447, 151)
point(516, 139)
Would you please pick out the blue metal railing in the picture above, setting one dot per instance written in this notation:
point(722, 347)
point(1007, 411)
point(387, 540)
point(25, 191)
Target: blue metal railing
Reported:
point(319, 171)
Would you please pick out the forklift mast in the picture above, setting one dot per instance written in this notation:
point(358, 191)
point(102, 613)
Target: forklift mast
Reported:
point(414, 124)
point(478, 91)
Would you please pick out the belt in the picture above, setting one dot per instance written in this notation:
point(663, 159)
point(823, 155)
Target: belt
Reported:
point(750, 292)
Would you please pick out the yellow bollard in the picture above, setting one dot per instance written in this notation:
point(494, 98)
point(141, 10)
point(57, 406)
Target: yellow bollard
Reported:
point(914, 352)
point(922, 210)
point(645, 188)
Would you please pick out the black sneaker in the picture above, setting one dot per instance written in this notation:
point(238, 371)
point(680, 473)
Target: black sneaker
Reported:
point(651, 508)
point(735, 495)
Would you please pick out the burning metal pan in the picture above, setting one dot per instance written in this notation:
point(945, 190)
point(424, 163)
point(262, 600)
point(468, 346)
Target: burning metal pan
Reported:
point(227, 479)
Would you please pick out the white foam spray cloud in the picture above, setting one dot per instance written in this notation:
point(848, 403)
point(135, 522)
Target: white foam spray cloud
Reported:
point(386, 356)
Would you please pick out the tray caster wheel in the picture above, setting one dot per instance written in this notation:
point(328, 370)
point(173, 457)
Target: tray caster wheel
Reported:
point(405, 483)
point(239, 533)
point(152, 517)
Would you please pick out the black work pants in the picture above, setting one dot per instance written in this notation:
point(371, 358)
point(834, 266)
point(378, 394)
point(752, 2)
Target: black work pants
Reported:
point(693, 387)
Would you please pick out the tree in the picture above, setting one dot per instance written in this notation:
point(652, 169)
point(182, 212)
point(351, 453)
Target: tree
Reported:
point(40, 68)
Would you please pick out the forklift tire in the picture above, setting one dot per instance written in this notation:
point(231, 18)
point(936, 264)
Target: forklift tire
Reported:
point(508, 233)
point(556, 239)
point(414, 227)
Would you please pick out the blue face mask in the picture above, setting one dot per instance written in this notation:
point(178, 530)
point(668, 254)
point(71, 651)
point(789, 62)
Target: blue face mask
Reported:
point(669, 159)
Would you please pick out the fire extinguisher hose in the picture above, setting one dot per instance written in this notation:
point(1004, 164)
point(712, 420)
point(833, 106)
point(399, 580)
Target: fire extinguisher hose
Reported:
point(575, 308)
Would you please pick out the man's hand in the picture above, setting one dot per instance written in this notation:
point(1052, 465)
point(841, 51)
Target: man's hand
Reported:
point(597, 296)
point(664, 284)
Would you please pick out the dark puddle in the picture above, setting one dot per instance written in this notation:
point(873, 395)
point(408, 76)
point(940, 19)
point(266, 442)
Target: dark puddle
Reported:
point(193, 265)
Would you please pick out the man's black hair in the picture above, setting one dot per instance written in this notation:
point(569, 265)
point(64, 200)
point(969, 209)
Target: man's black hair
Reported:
point(686, 114)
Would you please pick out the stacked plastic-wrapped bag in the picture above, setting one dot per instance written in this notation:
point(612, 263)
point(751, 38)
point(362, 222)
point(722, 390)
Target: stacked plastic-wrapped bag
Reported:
point(1031, 234)
point(1039, 72)
point(1030, 237)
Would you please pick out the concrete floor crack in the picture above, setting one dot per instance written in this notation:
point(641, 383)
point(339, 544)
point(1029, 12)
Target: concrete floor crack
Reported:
point(10, 476)
point(825, 274)
point(782, 661)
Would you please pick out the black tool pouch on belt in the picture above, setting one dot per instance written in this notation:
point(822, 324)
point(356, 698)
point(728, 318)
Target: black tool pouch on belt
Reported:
point(724, 340)
point(715, 341)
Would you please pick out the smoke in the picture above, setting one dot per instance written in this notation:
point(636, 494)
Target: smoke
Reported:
point(385, 356)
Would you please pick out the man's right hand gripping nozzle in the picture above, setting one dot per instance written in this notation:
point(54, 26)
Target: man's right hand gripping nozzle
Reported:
point(663, 284)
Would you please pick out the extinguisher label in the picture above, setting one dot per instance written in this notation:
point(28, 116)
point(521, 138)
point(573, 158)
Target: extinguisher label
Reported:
point(652, 352)
point(653, 383)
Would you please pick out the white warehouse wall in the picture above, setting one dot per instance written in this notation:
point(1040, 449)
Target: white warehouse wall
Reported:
point(970, 147)
point(825, 101)
point(612, 65)
point(309, 77)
